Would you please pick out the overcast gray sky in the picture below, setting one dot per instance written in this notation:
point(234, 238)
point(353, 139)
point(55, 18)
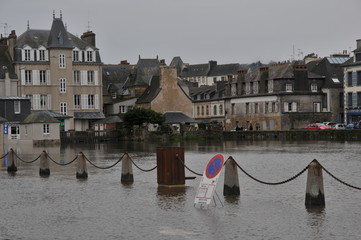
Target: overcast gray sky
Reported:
point(229, 31)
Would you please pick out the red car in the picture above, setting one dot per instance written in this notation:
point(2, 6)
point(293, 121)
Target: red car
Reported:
point(317, 126)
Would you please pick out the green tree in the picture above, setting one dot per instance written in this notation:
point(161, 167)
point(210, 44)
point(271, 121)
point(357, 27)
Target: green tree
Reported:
point(138, 116)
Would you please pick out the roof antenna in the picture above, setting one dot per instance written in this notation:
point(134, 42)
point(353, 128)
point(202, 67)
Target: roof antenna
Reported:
point(88, 27)
point(53, 14)
point(61, 15)
point(28, 25)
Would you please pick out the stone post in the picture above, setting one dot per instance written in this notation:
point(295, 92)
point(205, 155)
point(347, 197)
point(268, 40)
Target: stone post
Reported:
point(231, 182)
point(44, 170)
point(81, 172)
point(11, 162)
point(314, 190)
point(127, 170)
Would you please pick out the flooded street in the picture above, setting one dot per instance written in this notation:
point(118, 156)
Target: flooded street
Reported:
point(62, 207)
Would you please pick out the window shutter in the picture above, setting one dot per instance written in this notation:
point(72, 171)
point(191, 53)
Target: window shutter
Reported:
point(354, 79)
point(83, 77)
point(285, 107)
point(48, 82)
point(96, 81)
point(80, 56)
point(354, 99)
point(36, 101)
point(46, 55)
point(84, 101)
point(36, 76)
point(49, 102)
point(22, 72)
point(32, 52)
point(96, 101)
point(22, 54)
point(294, 107)
point(37, 54)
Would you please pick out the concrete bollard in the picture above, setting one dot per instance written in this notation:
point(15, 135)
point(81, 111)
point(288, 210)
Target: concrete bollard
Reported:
point(231, 182)
point(44, 170)
point(11, 162)
point(314, 190)
point(127, 170)
point(81, 172)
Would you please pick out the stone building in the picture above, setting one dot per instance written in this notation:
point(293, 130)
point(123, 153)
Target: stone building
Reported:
point(60, 72)
point(352, 86)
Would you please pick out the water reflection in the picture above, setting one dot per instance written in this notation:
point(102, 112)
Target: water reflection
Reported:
point(315, 219)
point(169, 198)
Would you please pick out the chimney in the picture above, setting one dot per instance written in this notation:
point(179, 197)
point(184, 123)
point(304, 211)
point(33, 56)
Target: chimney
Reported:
point(11, 43)
point(162, 62)
point(241, 72)
point(229, 78)
point(124, 62)
point(263, 69)
point(358, 43)
point(89, 37)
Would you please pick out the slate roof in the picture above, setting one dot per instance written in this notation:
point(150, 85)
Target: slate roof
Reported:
point(89, 115)
point(39, 117)
point(3, 119)
point(195, 70)
point(110, 119)
point(177, 117)
point(224, 69)
point(151, 92)
point(57, 37)
point(6, 63)
point(145, 70)
point(115, 77)
point(52, 114)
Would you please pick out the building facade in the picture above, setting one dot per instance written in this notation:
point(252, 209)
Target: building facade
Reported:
point(60, 72)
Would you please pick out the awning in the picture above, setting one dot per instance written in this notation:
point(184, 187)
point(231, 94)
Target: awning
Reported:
point(89, 115)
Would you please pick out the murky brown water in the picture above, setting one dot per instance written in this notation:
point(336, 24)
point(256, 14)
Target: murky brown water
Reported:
point(62, 207)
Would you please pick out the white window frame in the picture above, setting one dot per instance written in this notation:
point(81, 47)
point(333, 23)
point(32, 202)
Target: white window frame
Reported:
point(76, 55)
point(62, 60)
point(77, 77)
point(46, 129)
point(27, 55)
point(63, 108)
point(91, 101)
point(62, 82)
point(289, 87)
point(77, 101)
point(28, 77)
point(43, 101)
point(42, 77)
point(313, 87)
point(90, 77)
point(90, 56)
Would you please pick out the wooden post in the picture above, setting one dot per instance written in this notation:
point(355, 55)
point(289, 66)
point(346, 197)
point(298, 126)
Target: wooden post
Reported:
point(44, 170)
point(127, 170)
point(314, 190)
point(11, 163)
point(81, 171)
point(231, 182)
point(170, 170)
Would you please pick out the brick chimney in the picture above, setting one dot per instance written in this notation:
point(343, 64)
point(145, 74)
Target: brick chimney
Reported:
point(89, 37)
point(124, 62)
point(358, 43)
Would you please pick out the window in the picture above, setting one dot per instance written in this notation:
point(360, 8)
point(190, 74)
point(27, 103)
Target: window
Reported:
point(270, 86)
point(256, 108)
point(76, 56)
point(349, 99)
point(358, 78)
point(114, 95)
point(266, 107)
point(91, 101)
point(43, 100)
point(63, 108)
point(89, 56)
point(314, 87)
point(202, 110)
point(349, 79)
point(76, 76)
point(14, 132)
point(358, 57)
point(289, 87)
point(31, 99)
point(61, 60)
point(27, 55)
point(274, 107)
point(46, 128)
point(28, 77)
point(247, 108)
point(41, 55)
point(220, 109)
point(42, 77)
point(324, 100)
point(317, 107)
point(215, 110)
point(255, 88)
point(122, 109)
point(341, 100)
point(207, 110)
point(233, 108)
point(358, 99)
point(62, 85)
point(16, 107)
point(77, 101)
point(90, 77)
point(198, 111)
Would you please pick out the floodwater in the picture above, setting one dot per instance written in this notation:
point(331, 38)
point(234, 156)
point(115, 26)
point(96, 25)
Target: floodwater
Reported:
point(62, 207)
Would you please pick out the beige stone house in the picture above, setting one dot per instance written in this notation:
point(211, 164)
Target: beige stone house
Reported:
point(60, 72)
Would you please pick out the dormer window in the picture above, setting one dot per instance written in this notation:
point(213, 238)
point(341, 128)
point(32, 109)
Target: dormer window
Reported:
point(90, 56)
point(76, 56)
point(289, 87)
point(314, 87)
point(114, 95)
point(41, 54)
point(27, 55)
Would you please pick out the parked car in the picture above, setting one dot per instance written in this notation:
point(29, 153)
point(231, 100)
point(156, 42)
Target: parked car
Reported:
point(317, 126)
point(352, 126)
point(338, 126)
point(330, 124)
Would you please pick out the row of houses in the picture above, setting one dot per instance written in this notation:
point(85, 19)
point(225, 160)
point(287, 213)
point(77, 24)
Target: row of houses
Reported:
point(55, 73)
